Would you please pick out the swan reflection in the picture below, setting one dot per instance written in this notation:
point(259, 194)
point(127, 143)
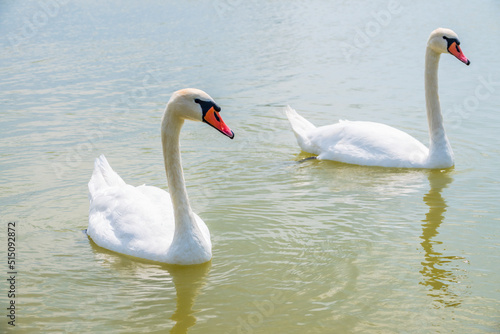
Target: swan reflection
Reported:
point(434, 272)
point(149, 288)
point(188, 281)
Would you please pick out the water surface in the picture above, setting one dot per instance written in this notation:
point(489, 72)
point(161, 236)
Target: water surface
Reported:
point(312, 247)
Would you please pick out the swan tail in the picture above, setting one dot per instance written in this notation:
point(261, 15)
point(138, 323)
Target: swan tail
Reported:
point(103, 176)
point(300, 126)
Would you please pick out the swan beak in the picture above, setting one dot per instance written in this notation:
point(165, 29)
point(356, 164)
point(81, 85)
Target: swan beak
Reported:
point(455, 50)
point(212, 118)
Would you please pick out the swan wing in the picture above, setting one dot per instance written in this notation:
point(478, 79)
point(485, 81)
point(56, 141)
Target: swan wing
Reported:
point(136, 221)
point(367, 143)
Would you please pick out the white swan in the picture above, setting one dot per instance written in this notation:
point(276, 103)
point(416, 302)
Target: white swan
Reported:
point(146, 221)
point(375, 144)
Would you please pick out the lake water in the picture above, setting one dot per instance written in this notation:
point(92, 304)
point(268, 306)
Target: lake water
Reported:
point(312, 247)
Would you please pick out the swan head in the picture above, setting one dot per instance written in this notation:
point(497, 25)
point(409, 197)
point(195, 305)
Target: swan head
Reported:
point(196, 105)
point(444, 40)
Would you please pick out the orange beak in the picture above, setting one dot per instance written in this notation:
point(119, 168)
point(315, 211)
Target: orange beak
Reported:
point(213, 118)
point(455, 50)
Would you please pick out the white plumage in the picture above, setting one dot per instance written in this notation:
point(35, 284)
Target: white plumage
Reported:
point(136, 221)
point(359, 143)
point(376, 144)
point(145, 221)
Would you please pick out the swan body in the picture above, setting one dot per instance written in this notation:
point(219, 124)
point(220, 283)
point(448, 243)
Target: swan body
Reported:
point(148, 222)
point(359, 143)
point(376, 144)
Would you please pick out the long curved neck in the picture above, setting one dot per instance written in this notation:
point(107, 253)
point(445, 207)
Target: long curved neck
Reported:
point(170, 133)
point(439, 147)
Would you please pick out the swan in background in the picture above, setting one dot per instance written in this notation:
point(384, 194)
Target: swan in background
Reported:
point(376, 144)
point(146, 221)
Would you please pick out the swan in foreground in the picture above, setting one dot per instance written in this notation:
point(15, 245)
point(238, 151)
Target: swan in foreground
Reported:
point(376, 144)
point(146, 221)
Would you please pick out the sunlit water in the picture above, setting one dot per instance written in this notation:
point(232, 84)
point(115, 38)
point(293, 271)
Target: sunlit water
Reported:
point(311, 247)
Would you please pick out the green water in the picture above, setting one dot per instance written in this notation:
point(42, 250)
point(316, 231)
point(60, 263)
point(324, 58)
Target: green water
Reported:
point(311, 247)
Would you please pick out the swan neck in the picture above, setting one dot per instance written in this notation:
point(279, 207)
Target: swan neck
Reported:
point(439, 145)
point(170, 134)
point(434, 116)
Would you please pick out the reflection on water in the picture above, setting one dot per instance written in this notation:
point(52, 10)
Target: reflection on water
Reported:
point(434, 273)
point(337, 242)
point(187, 280)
